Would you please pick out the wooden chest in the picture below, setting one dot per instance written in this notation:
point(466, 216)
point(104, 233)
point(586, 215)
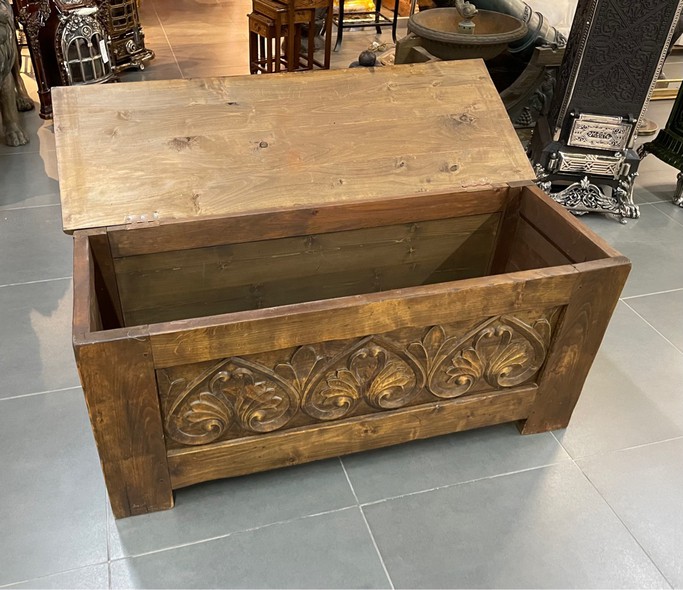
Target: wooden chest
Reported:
point(273, 270)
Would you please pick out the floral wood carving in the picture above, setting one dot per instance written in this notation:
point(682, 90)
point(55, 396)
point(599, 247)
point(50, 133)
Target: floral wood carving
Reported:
point(235, 390)
point(375, 372)
point(490, 351)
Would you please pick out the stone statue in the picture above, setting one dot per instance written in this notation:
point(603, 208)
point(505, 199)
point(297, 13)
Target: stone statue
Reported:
point(10, 95)
point(467, 11)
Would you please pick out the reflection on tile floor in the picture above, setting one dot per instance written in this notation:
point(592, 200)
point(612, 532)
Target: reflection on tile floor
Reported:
point(597, 505)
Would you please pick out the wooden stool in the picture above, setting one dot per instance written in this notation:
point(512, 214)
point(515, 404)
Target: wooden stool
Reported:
point(313, 5)
point(271, 20)
point(367, 18)
point(284, 17)
point(264, 44)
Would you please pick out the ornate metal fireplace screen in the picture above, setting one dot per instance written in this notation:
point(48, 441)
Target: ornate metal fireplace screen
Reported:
point(122, 16)
point(122, 22)
point(84, 49)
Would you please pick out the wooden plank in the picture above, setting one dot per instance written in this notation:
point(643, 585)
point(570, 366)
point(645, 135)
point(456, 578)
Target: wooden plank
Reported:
point(235, 145)
point(301, 445)
point(288, 292)
point(506, 232)
point(108, 300)
point(531, 249)
point(577, 342)
point(85, 316)
point(120, 391)
point(270, 273)
point(156, 237)
point(248, 332)
point(560, 227)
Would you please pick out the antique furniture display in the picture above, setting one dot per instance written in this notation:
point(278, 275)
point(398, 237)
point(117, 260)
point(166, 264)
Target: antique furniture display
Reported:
point(448, 34)
point(265, 43)
point(83, 52)
point(374, 18)
point(67, 44)
point(271, 21)
point(80, 42)
point(524, 74)
point(269, 297)
point(668, 145)
point(583, 150)
point(10, 125)
point(539, 30)
point(121, 19)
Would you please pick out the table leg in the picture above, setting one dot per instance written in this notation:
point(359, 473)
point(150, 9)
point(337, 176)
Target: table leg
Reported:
point(340, 25)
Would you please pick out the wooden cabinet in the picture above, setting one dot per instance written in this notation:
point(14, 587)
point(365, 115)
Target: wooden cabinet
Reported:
point(290, 275)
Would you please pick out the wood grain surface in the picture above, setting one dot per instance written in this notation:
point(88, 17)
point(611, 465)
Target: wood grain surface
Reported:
point(188, 149)
point(268, 273)
point(255, 331)
point(576, 343)
point(300, 445)
point(156, 237)
point(120, 391)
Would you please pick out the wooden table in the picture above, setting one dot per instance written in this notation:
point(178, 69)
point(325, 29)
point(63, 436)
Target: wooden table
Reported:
point(293, 273)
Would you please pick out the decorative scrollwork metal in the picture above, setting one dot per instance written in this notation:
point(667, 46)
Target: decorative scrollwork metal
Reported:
point(584, 196)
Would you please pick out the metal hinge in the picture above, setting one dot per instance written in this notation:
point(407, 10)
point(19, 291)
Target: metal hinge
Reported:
point(145, 218)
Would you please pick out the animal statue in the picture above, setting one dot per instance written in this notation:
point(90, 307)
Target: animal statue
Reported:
point(466, 9)
point(10, 92)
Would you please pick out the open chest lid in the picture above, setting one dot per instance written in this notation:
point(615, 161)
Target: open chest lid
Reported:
point(189, 149)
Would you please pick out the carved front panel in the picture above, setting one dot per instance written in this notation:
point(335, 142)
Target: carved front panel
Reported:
point(255, 394)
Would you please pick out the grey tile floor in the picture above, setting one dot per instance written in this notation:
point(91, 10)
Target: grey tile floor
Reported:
point(597, 505)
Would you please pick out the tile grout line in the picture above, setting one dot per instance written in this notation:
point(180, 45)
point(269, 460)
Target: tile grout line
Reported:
point(36, 282)
point(609, 506)
point(460, 483)
point(651, 326)
point(624, 299)
point(231, 533)
point(624, 449)
point(168, 41)
point(612, 451)
point(611, 509)
point(23, 395)
point(367, 525)
point(106, 525)
point(669, 216)
point(630, 532)
point(323, 513)
point(11, 208)
point(652, 203)
point(59, 573)
point(24, 153)
point(565, 449)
